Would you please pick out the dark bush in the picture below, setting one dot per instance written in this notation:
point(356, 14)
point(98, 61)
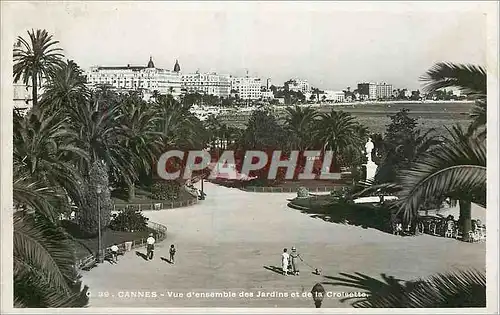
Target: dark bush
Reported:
point(129, 220)
point(166, 190)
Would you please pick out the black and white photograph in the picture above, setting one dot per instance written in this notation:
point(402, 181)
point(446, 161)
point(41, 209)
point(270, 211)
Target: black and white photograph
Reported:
point(259, 156)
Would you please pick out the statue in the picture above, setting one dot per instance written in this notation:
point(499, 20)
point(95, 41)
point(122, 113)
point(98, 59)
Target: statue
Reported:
point(369, 148)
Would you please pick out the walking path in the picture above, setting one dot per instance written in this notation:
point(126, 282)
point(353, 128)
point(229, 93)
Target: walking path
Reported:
point(225, 242)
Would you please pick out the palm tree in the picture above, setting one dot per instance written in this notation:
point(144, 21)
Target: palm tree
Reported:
point(453, 289)
point(455, 169)
point(65, 87)
point(43, 150)
point(44, 273)
point(138, 121)
point(339, 132)
point(35, 59)
point(470, 79)
point(300, 123)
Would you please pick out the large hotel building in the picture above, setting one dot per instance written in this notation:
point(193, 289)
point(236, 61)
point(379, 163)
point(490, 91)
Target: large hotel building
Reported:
point(247, 88)
point(148, 78)
point(206, 83)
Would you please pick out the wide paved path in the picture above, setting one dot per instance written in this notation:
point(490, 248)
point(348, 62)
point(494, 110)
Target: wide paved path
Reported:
point(226, 242)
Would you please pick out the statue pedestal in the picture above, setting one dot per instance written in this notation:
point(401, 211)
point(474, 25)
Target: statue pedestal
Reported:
point(371, 169)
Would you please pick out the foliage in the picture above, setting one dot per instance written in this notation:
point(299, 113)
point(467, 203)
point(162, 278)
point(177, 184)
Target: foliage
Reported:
point(166, 190)
point(129, 220)
point(456, 169)
point(470, 79)
point(95, 202)
point(454, 289)
point(302, 192)
point(263, 133)
point(35, 59)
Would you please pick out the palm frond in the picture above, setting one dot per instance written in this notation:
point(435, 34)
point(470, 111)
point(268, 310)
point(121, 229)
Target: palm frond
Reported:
point(470, 79)
point(453, 289)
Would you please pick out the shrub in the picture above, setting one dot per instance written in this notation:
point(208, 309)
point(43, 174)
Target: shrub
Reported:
point(166, 190)
point(302, 192)
point(129, 220)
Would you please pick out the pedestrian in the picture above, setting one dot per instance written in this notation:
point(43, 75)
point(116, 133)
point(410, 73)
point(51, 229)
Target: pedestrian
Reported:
point(284, 262)
point(150, 246)
point(114, 253)
point(295, 261)
point(172, 253)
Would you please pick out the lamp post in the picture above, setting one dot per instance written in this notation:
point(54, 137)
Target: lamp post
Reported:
point(99, 240)
point(318, 293)
point(202, 197)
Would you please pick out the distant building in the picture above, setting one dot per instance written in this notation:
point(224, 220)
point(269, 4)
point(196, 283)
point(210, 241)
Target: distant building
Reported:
point(267, 94)
point(22, 96)
point(332, 96)
point(368, 89)
point(248, 88)
point(206, 83)
point(298, 85)
point(384, 91)
point(148, 78)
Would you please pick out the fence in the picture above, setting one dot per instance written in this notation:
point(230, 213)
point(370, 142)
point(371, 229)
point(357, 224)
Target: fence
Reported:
point(164, 205)
point(290, 189)
point(160, 235)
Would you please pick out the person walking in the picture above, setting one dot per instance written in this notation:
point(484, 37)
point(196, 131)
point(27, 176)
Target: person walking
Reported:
point(114, 253)
point(285, 258)
point(150, 246)
point(295, 261)
point(172, 253)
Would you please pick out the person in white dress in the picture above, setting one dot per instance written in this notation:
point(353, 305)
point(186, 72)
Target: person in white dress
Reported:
point(285, 258)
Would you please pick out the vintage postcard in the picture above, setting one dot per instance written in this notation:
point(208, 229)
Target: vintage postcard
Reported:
point(249, 157)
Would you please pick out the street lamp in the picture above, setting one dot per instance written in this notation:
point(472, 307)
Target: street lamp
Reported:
point(318, 293)
point(100, 257)
point(202, 197)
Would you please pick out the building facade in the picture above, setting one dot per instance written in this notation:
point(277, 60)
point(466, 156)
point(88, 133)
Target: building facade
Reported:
point(206, 83)
point(368, 89)
point(247, 88)
point(384, 91)
point(128, 77)
point(298, 85)
point(332, 96)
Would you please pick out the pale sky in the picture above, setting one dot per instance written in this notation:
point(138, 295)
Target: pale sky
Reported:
point(332, 45)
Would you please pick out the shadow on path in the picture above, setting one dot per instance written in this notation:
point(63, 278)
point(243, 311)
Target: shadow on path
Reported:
point(274, 269)
point(165, 259)
point(141, 255)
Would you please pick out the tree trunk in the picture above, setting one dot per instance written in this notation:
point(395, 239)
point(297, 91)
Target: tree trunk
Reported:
point(131, 191)
point(465, 218)
point(34, 90)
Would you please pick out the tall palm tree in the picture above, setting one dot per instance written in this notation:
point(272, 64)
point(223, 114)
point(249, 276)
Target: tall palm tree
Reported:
point(35, 59)
point(470, 79)
point(138, 121)
point(455, 169)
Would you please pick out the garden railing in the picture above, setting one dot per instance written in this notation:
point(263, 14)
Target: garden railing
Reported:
point(160, 235)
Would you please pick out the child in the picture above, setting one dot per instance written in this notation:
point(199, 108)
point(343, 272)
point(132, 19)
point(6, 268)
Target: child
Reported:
point(172, 253)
